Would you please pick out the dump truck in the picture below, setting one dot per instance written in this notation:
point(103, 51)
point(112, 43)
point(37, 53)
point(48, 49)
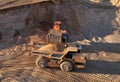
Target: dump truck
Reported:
point(60, 51)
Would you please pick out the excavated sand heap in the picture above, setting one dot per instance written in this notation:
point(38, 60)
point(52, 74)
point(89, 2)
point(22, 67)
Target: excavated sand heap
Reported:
point(95, 20)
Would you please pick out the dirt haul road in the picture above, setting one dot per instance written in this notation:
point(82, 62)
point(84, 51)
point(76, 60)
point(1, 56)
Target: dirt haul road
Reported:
point(19, 68)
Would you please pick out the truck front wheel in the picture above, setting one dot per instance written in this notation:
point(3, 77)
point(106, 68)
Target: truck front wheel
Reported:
point(66, 66)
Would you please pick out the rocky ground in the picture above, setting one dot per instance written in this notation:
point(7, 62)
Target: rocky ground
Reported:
point(95, 24)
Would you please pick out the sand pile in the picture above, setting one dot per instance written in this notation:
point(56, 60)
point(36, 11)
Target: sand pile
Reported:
point(92, 20)
point(84, 19)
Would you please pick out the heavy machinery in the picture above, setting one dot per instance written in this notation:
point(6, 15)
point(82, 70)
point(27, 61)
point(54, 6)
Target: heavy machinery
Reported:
point(60, 52)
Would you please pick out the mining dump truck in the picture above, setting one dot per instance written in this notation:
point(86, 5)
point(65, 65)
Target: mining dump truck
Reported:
point(60, 51)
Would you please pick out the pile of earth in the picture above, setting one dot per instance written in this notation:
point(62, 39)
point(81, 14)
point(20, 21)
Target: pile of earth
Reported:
point(96, 21)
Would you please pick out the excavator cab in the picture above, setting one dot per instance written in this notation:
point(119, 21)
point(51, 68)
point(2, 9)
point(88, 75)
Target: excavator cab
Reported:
point(56, 35)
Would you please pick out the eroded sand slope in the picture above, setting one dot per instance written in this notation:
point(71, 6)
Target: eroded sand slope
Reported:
point(93, 23)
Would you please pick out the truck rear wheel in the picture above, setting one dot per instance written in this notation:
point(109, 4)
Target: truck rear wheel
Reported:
point(41, 62)
point(66, 66)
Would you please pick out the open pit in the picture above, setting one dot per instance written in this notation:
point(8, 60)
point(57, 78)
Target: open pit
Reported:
point(93, 23)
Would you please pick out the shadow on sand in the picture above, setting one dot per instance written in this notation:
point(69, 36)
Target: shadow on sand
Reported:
point(106, 47)
point(101, 67)
point(95, 67)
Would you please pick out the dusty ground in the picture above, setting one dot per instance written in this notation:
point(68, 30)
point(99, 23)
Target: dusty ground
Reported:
point(21, 68)
point(93, 23)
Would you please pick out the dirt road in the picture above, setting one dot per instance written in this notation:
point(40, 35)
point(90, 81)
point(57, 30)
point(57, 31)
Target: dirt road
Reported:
point(19, 68)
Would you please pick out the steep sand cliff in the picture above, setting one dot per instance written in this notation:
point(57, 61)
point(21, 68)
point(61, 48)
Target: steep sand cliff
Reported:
point(93, 23)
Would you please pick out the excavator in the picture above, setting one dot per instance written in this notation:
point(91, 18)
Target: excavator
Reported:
point(60, 51)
